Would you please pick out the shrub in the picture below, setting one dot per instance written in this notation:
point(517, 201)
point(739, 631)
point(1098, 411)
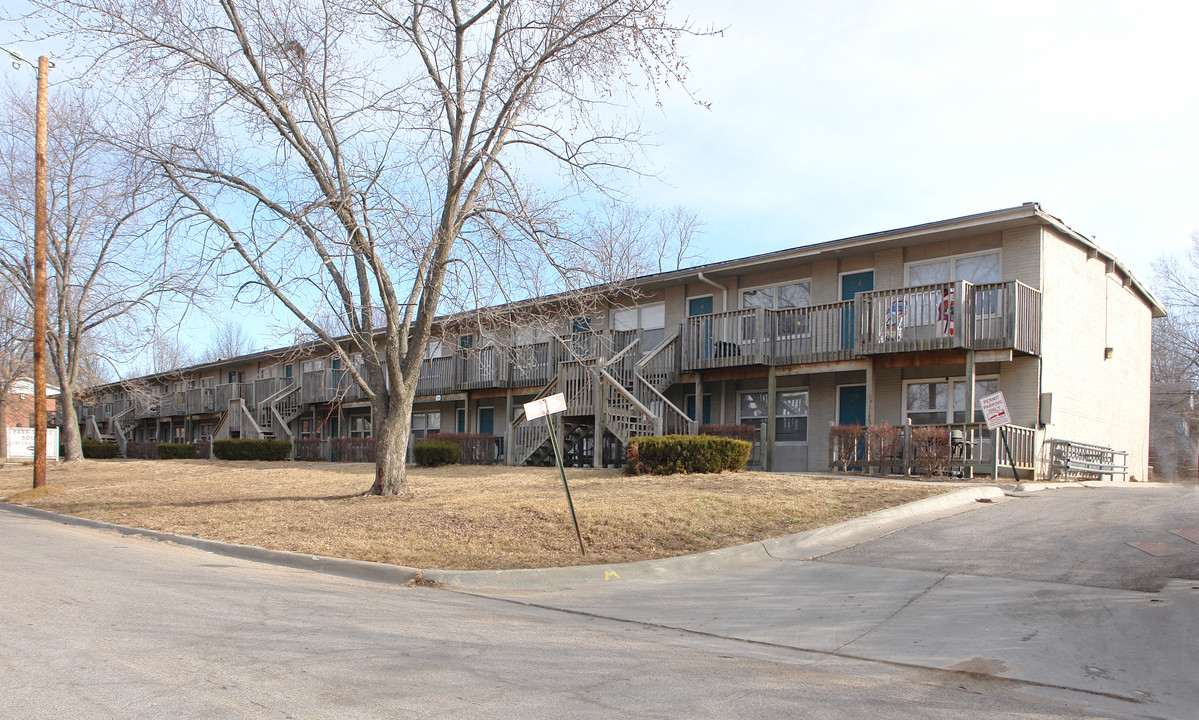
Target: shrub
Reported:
point(433, 453)
point(475, 448)
point(244, 449)
point(141, 450)
point(310, 449)
point(843, 444)
point(176, 451)
point(96, 450)
point(672, 454)
point(884, 445)
point(352, 449)
point(930, 444)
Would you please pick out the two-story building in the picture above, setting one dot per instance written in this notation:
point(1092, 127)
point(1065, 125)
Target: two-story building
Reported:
point(909, 326)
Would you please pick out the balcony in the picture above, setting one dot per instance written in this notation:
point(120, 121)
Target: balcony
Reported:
point(995, 316)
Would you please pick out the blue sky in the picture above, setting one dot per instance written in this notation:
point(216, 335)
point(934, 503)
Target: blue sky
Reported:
point(834, 119)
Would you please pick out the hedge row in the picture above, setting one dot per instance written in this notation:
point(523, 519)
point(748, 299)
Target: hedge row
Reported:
point(245, 449)
point(433, 453)
point(96, 450)
point(176, 451)
point(672, 454)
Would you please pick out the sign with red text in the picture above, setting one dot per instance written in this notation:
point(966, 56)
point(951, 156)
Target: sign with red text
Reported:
point(545, 406)
point(20, 443)
point(995, 411)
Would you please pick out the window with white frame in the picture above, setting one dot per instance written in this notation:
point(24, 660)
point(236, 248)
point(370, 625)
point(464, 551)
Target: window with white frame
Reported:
point(976, 268)
point(425, 424)
point(791, 413)
point(649, 319)
point(360, 426)
point(928, 401)
point(786, 296)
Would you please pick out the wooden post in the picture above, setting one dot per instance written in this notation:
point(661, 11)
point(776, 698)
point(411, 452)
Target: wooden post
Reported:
point(771, 402)
point(869, 391)
point(41, 218)
point(968, 470)
point(907, 446)
point(507, 459)
point(598, 400)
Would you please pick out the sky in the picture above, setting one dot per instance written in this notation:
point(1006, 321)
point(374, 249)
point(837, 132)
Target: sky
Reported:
point(833, 119)
point(830, 120)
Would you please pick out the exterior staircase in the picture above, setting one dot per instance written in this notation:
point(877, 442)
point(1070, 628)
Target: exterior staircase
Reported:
point(632, 399)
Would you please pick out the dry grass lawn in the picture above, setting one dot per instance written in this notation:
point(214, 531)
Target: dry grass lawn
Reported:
point(459, 517)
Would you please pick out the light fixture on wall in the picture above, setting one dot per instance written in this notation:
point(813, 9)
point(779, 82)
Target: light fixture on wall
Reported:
point(1108, 353)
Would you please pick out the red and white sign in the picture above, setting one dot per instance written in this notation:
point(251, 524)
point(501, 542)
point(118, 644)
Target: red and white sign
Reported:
point(20, 443)
point(995, 411)
point(545, 406)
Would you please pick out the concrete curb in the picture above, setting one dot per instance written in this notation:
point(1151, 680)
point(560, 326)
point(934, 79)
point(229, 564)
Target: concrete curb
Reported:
point(358, 569)
point(801, 546)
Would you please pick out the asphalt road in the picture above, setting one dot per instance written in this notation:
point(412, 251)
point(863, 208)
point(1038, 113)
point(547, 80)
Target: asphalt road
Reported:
point(98, 625)
point(1075, 536)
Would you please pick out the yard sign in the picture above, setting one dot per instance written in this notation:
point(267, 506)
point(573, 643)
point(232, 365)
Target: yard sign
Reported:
point(995, 411)
point(545, 407)
point(20, 443)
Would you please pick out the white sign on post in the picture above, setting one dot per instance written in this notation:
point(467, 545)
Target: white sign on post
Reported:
point(995, 411)
point(20, 443)
point(545, 406)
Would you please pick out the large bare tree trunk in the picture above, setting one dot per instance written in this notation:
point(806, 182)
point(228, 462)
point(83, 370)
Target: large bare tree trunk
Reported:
point(70, 425)
point(3, 427)
point(391, 444)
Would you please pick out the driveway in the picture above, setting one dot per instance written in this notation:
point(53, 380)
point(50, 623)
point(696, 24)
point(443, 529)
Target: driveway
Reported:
point(100, 625)
point(1043, 589)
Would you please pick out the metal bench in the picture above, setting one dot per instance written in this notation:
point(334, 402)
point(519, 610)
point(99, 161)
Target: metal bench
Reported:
point(1070, 458)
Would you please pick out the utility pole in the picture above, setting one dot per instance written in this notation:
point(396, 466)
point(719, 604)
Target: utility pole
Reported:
point(39, 264)
point(39, 277)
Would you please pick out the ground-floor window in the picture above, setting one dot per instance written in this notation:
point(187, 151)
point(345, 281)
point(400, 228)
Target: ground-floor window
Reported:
point(360, 425)
point(928, 401)
point(425, 424)
point(791, 413)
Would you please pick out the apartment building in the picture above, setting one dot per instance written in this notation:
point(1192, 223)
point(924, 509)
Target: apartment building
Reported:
point(909, 327)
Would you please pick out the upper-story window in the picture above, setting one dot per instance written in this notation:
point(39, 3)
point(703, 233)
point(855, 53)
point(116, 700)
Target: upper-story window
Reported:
point(778, 297)
point(649, 319)
point(976, 268)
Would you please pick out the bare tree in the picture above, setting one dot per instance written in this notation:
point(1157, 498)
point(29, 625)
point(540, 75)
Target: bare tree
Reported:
point(1174, 412)
point(229, 340)
point(359, 158)
point(15, 351)
point(106, 266)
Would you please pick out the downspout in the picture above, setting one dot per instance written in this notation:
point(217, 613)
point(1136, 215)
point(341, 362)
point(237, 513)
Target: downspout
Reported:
point(724, 292)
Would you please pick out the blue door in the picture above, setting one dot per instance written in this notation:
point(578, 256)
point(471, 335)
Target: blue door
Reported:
point(703, 339)
point(486, 420)
point(851, 285)
point(851, 410)
point(690, 409)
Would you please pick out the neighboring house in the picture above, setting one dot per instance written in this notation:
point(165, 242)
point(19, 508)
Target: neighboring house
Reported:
point(908, 326)
point(18, 410)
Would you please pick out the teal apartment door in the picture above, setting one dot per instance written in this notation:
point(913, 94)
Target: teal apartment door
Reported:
point(486, 421)
point(702, 306)
point(851, 410)
point(852, 284)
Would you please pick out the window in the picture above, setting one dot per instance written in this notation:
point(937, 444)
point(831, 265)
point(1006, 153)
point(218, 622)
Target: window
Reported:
point(928, 400)
point(360, 426)
point(649, 319)
point(977, 268)
point(425, 424)
point(780, 297)
point(791, 412)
